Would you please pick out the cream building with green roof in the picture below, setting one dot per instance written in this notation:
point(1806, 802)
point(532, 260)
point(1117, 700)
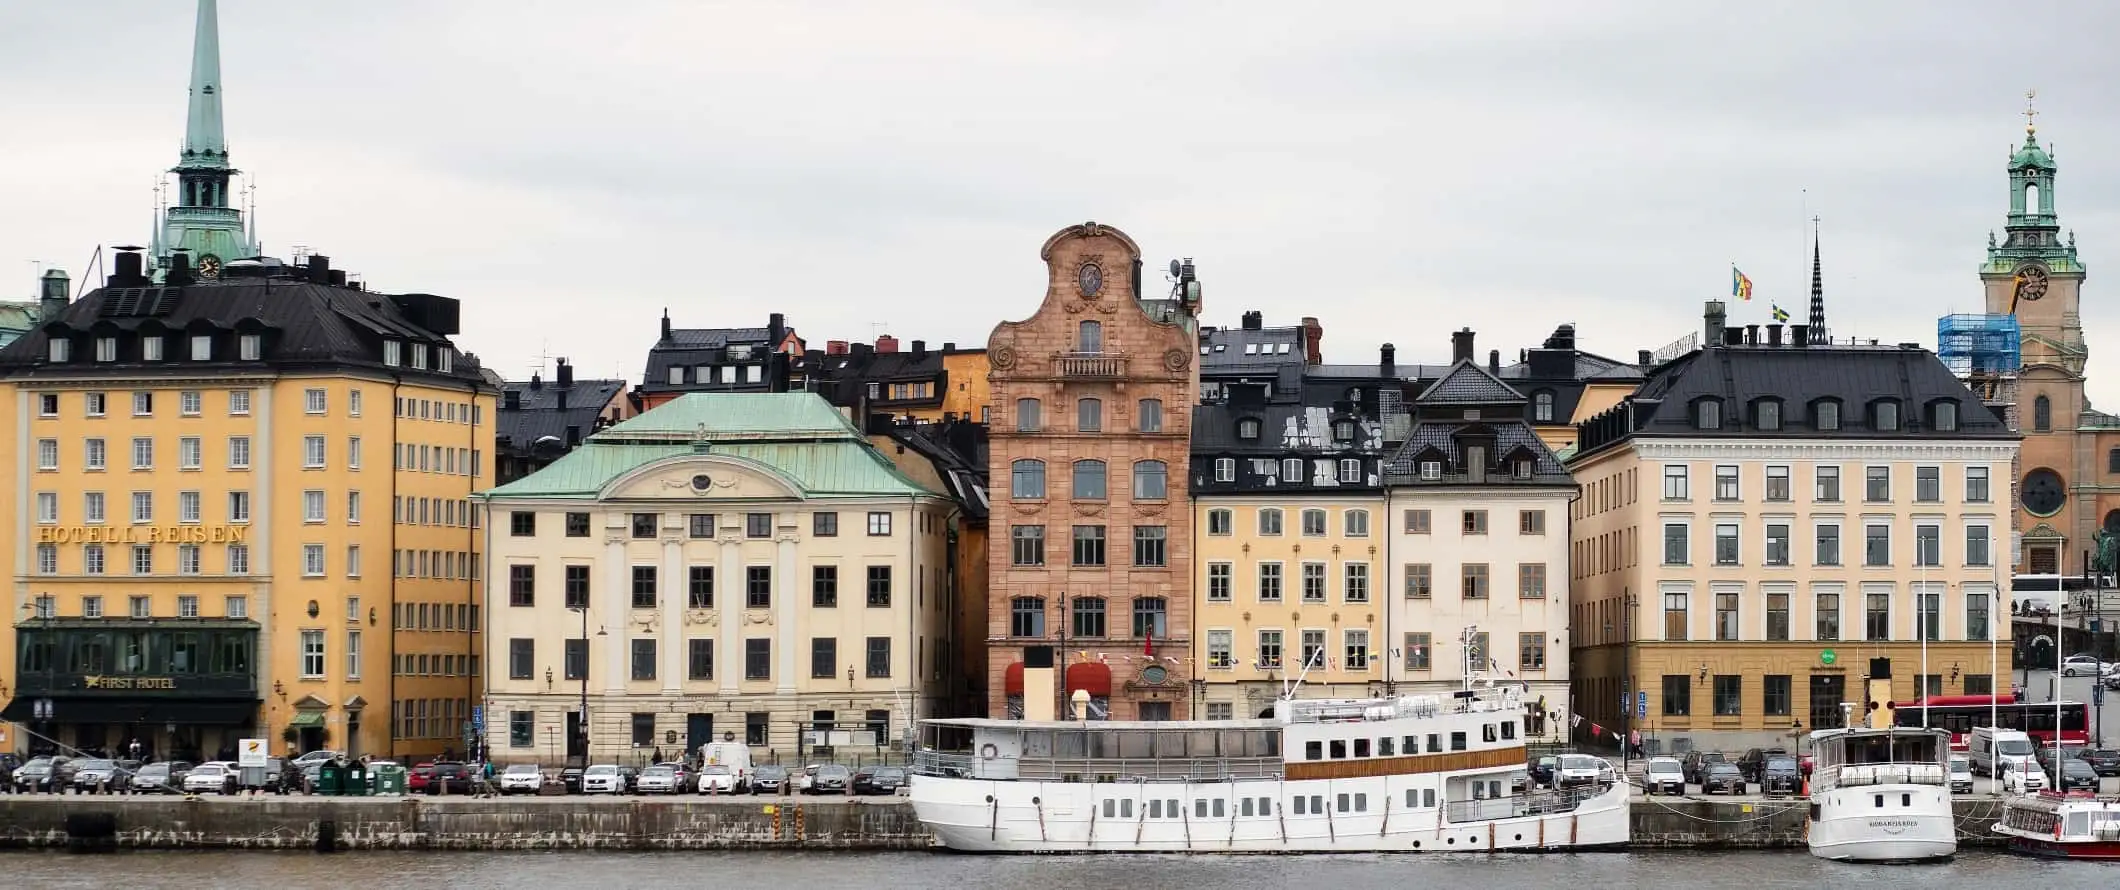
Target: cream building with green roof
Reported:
point(742, 565)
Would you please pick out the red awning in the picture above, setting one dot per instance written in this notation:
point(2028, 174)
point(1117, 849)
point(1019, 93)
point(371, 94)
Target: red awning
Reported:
point(1089, 676)
point(1012, 679)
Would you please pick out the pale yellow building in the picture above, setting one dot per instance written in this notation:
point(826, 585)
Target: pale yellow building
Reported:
point(723, 565)
point(203, 496)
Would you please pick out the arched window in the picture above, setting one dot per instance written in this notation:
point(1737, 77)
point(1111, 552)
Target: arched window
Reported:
point(1027, 479)
point(1825, 414)
point(1943, 417)
point(1542, 407)
point(2042, 414)
point(1884, 415)
point(2031, 197)
point(1766, 414)
point(1707, 414)
point(1089, 415)
point(1248, 428)
point(1089, 480)
point(1027, 416)
point(1151, 480)
point(1090, 337)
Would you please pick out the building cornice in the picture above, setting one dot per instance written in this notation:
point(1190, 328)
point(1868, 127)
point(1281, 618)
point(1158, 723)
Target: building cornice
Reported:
point(1825, 449)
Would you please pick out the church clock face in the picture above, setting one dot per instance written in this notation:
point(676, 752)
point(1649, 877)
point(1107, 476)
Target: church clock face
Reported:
point(2043, 493)
point(209, 266)
point(2031, 281)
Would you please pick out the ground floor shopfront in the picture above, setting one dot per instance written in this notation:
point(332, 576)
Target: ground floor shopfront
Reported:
point(791, 728)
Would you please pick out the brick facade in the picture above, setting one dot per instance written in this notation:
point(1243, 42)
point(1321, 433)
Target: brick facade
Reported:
point(1139, 358)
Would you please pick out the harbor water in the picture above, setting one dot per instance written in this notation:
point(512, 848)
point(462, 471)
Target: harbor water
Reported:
point(52, 870)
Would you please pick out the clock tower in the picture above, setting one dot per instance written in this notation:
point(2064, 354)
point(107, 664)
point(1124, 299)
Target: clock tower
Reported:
point(204, 220)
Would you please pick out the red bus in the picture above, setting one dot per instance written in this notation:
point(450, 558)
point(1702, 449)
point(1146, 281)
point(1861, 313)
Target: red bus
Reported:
point(1960, 713)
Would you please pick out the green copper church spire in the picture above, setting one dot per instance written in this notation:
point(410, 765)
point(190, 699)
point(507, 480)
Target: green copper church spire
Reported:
point(204, 220)
point(2032, 230)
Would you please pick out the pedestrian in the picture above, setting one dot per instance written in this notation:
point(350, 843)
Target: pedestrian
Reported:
point(134, 748)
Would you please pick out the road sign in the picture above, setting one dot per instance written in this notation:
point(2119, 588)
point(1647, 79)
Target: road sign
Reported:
point(478, 718)
point(251, 753)
point(1826, 656)
point(1641, 705)
point(2097, 693)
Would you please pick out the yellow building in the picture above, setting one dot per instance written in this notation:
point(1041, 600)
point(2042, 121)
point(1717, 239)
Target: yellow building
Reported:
point(964, 371)
point(206, 478)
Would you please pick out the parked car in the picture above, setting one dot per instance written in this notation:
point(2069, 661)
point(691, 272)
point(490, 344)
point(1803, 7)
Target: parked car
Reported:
point(309, 774)
point(603, 778)
point(632, 776)
point(2020, 776)
point(1754, 762)
point(522, 778)
point(451, 777)
point(830, 778)
point(2082, 663)
point(1780, 775)
point(1578, 770)
point(49, 773)
point(879, 780)
point(318, 757)
point(99, 775)
point(1541, 769)
point(570, 779)
point(217, 776)
point(2103, 761)
point(1697, 762)
point(160, 777)
point(1663, 775)
point(1961, 774)
point(419, 778)
point(685, 776)
point(658, 779)
point(768, 780)
point(717, 779)
point(1722, 778)
point(2073, 775)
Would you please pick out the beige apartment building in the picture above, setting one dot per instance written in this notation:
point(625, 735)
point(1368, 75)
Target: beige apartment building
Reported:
point(1764, 517)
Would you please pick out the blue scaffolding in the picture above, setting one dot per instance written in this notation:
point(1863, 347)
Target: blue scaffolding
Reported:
point(1978, 345)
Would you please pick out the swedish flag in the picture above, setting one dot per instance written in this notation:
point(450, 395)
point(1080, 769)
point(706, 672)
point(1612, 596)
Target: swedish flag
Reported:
point(1780, 314)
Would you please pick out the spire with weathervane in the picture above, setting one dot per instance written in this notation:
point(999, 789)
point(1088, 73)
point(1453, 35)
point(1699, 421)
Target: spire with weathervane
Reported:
point(204, 220)
point(1818, 290)
point(2032, 231)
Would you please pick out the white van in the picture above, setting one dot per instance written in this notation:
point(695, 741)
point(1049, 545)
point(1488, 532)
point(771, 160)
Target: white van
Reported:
point(734, 755)
point(1996, 751)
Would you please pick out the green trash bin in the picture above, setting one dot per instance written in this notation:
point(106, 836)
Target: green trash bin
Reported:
point(389, 778)
point(355, 783)
point(331, 779)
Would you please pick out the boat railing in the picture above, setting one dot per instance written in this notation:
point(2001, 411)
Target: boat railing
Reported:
point(963, 765)
point(1536, 803)
point(1859, 774)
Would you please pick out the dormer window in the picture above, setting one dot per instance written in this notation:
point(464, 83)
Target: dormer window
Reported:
point(60, 349)
point(1472, 414)
point(1943, 417)
point(1431, 470)
point(1542, 407)
point(1292, 470)
point(1707, 414)
point(1523, 468)
point(1766, 414)
point(677, 375)
point(1251, 349)
point(1248, 428)
point(201, 348)
point(419, 356)
point(106, 349)
point(393, 353)
point(445, 359)
point(251, 347)
point(1884, 415)
point(1825, 414)
point(1343, 431)
point(150, 349)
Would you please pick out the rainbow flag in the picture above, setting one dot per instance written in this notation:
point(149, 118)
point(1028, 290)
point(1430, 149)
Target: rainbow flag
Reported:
point(1740, 286)
point(1780, 314)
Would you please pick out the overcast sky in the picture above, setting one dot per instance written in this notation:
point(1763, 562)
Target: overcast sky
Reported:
point(1397, 169)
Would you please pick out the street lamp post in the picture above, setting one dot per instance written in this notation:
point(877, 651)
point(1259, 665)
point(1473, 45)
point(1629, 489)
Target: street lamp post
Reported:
point(581, 723)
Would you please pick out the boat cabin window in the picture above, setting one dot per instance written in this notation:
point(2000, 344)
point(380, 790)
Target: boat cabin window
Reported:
point(1313, 750)
point(1457, 741)
point(1906, 800)
point(1361, 747)
point(1487, 732)
point(1508, 731)
point(1266, 806)
point(1384, 747)
point(1244, 806)
point(1339, 749)
point(1299, 810)
point(1435, 742)
point(1880, 801)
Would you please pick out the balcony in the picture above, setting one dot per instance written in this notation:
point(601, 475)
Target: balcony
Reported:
point(1089, 366)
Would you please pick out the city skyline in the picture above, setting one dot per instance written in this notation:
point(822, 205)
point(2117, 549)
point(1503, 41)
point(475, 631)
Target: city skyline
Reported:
point(824, 163)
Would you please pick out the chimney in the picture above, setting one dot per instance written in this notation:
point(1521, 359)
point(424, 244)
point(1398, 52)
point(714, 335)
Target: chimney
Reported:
point(127, 270)
point(574, 435)
point(1712, 330)
point(920, 349)
point(1733, 336)
point(335, 277)
point(1494, 362)
point(1254, 320)
point(1751, 335)
point(537, 381)
point(52, 296)
point(559, 399)
point(666, 325)
point(179, 274)
point(886, 344)
point(776, 330)
point(1643, 358)
point(566, 374)
point(1461, 346)
point(1773, 335)
point(1799, 335)
point(1313, 335)
point(1388, 361)
point(319, 268)
point(835, 347)
point(511, 400)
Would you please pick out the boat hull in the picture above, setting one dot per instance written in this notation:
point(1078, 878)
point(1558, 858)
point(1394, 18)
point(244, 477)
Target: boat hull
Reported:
point(972, 815)
point(1846, 826)
point(2094, 850)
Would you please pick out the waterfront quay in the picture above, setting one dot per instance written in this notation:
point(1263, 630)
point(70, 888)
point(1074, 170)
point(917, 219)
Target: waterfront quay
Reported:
point(695, 823)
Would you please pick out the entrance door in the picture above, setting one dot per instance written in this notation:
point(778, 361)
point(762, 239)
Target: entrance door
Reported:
point(1827, 692)
point(1155, 710)
point(577, 743)
point(699, 730)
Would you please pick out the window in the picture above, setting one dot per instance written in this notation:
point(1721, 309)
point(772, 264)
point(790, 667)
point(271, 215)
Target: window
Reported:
point(644, 525)
point(1928, 484)
point(1474, 522)
point(1828, 616)
point(1474, 581)
point(1089, 337)
point(239, 559)
point(1976, 485)
point(1976, 545)
point(1531, 580)
point(1944, 417)
point(1225, 469)
point(250, 346)
point(824, 587)
point(1027, 545)
point(1675, 482)
point(1420, 580)
point(1678, 695)
point(522, 658)
point(699, 659)
point(1828, 484)
point(1726, 615)
point(1531, 522)
point(645, 589)
point(1542, 407)
point(758, 587)
point(1431, 470)
point(188, 559)
point(643, 661)
point(143, 559)
point(1270, 521)
point(699, 587)
point(1270, 582)
point(1884, 415)
point(1151, 480)
point(48, 506)
point(1766, 414)
point(1291, 470)
point(47, 454)
point(1827, 545)
point(577, 587)
point(190, 455)
point(1354, 648)
point(1355, 582)
point(522, 524)
point(824, 658)
point(1707, 414)
point(1313, 523)
point(1928, 545)
point(312, 506)
point(1417, 657)
point(1357, 523)
point(878, 661)
point(1150, 416)
point(312, 654)
point(1976, 616)
point(1877, 615)
point(1726, 487)
point(1777, 551)
point(1220, 656)
point(91, 607)
point(313, 401)
point(1248, 429)
point(1928, 614)
point(1219, 581)
point(1729, 695)
point(92, 507)
point(143, 453)
point(1726, 550)
point(96, 404)
point(313, 560)
point(1151, 617)
point(1088, 545)
point(1027, 416)
point(1150, 548)
point(95, 454)
point(143, 506)
point(1089, 415)
point(1825, 414)
point(879, 589)
point(757, 525)
point(1877, 545)
point(1675, 623)
point(1675, 544)
point(1089, 480)
point(1088, 615)
point(1026, 617)
point(1313, 582)
point(575, 659)
point(143, 404)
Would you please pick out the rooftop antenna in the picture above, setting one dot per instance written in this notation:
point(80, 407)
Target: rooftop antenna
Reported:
point(876, 328)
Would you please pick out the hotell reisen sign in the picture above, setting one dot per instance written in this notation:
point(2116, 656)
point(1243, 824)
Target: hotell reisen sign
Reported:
point(143, 534)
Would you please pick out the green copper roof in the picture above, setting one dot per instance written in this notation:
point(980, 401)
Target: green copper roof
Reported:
point(2030, 154)
point(205, 143)
point(798, 436)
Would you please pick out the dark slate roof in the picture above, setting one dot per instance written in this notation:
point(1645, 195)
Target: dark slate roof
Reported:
point(958, 451)
point(1469, 384)
point(1221, 348)
point(1445, 438)
point(1799, 377)
point(1283, 428)
point(717, 338)
point(540, 414)
point(304, 325)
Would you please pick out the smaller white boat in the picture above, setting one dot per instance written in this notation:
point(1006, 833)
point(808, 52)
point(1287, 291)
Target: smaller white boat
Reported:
point(2075, 825)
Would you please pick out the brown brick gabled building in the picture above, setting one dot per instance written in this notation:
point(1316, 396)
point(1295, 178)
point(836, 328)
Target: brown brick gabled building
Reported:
point(1091, 548)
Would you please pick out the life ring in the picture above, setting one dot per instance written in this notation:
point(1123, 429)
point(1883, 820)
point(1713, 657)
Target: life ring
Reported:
point(988, 751)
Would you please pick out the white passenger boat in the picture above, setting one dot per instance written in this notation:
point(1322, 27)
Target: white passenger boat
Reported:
point(1881, 795)
point(1408, 773)
point(2072, 825)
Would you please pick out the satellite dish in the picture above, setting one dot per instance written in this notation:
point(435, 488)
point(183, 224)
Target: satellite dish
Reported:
point(1174, 269)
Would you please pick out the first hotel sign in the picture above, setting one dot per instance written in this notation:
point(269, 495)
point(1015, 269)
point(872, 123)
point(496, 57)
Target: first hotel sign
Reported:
point(143, 534)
